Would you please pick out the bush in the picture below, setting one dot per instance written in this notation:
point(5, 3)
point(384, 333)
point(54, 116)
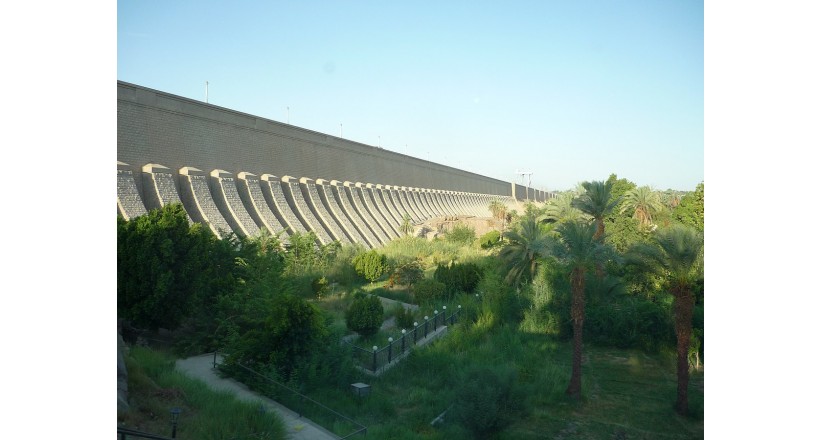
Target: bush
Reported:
point(365, 315)
point(320, 286)
point(370, 265)
point(429, 290)
point(490, 239)
point(488, 400)
point(458, 277)
point(461, 234)
point(404, 317)
point(407, 274)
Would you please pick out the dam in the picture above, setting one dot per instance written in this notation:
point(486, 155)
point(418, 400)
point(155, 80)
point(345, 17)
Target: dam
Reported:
point(239, 173)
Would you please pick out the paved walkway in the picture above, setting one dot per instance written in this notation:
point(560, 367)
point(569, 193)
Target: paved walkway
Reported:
point(298, 428)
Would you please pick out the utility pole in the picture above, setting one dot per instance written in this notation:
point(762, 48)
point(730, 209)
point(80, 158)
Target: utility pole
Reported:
point(529, 182)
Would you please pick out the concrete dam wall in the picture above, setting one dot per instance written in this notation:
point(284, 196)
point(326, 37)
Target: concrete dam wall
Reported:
point(234, 172)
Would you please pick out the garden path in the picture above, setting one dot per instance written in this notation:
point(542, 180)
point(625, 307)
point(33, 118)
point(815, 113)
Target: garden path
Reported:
point(298, 428)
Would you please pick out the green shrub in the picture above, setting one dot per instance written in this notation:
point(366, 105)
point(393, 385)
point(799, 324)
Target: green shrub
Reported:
point(320, 287)
point(461, 233)
point(365, 315)
point(370, 265)
point(407, 274)
point(489, 239)
point(488, 400)
point(404, 317)
point(458, 277)
point(428, 290)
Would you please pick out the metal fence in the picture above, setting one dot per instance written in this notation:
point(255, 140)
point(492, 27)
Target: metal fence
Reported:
point(333, 421)
point(375, 359)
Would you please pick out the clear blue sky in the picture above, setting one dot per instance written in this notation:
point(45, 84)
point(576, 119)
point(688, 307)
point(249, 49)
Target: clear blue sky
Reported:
point(569, 90)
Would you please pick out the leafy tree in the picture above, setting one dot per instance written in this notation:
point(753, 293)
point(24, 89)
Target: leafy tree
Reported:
point(371, 265)
point(690, 211)
point(365, 315)
point(525, 247)
point(643, 203)
point(164, 264)
point(677, 254)
point(290, 331)
point(408, 273)
point(579, 249)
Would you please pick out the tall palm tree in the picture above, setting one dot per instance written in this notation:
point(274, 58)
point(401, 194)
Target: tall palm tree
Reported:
point(644, 203)
point(597, 202)
point(526, 246)
point(498, 209)
point(676, 253)
point(578, 249)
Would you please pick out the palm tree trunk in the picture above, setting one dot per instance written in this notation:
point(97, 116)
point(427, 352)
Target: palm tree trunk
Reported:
point(578, 300)
point(683, 307)
point(599, 236)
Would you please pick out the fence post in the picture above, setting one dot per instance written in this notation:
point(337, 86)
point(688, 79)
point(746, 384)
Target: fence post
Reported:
point(390, 350)
point(415, 326)
point(403, 331)
point(375, 348)
point(426, 319)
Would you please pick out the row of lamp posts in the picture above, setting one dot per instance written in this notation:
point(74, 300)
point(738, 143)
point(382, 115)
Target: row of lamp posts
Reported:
point(415, 328)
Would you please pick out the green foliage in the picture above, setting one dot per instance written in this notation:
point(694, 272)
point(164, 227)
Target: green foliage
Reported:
point(690, 210)
point(164, 264)
point(154, 387)
point(407, 274)
point(365, 315)
point(461, 233)
point(630, 322)
point(406, 226)
point(284, 339)
point(528, 243)
point(404, 317)
point(490, 239)
point(428, 290)
point(370, 265)
point(305, 256)
point(488, 399)
point(499, 301)
point(458, 277)
point(320, 287)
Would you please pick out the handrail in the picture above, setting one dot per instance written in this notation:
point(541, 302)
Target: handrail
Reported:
point(361, 429)
point(133, 433)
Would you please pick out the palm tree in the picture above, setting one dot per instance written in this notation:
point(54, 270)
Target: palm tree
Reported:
point(579, 250)
point(644, 203)
point(597, 202)
point(560, 209)
point(676, 254)
point(406, 226)
point(524, 250)
point(498, 209)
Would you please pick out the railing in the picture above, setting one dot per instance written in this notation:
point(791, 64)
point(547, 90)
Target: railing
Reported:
point(126, 433)
point(302, 405)
point(377, 359)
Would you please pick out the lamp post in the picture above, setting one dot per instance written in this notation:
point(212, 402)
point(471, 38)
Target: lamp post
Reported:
point(403, 331)
point(415, 326)
point(389, 349)
point(375, 348)
point(174, 419)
